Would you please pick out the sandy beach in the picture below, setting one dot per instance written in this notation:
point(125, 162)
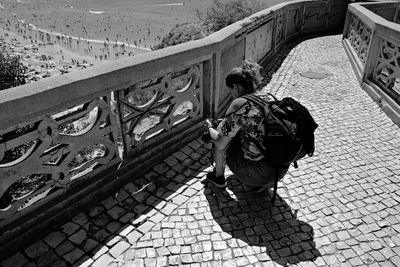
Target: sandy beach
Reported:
point(60, 36)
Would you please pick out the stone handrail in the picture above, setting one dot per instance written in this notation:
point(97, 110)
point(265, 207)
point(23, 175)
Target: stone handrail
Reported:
point(371, 38)
point(66, 141)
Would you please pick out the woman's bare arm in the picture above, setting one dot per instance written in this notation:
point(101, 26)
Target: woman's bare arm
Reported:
point(221, 142)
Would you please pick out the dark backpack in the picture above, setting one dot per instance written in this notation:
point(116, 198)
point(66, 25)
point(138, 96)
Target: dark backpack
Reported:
point(289, 132)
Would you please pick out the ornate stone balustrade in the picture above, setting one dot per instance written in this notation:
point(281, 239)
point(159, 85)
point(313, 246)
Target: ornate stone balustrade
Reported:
point(359, 37)
point(67, 141)
point(372, 41)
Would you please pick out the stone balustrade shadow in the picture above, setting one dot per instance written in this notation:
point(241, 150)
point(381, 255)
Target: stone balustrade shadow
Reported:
point(253, 219)
point(272, 65)
point(102, 231)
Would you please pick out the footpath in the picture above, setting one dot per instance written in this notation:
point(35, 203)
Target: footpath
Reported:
point(339, 208)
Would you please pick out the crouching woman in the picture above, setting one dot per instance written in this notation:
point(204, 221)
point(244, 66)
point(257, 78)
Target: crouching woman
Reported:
point(238, 138)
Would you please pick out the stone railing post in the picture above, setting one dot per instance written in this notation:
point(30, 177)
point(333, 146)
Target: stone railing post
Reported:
point(396, 12)
point(346, 27)
point(116, 111)
point(215, 85)
point(279, 33)
point(211, 83)
point(303, 19)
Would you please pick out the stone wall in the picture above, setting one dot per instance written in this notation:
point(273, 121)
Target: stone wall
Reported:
point(67, 141)
point(371, 39)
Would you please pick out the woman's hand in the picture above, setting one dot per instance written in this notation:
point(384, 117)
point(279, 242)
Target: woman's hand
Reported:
point(209, 124)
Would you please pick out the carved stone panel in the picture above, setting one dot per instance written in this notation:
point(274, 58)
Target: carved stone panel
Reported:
point(157, 105)
point(387, 69)
point(279, 28)
point(294, 21)
point(41, 160)
point(259, 41)
point(314, 17)
point(359, 37)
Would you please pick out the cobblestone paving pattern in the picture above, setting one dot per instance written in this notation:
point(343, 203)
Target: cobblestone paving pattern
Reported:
point(339, 208)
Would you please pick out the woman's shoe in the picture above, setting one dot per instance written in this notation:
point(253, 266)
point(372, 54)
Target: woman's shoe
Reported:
point(219, 181)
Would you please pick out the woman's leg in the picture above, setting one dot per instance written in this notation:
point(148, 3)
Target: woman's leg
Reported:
point(252, 173)
point(219, 158)
point(236, 161)
point(217, 175)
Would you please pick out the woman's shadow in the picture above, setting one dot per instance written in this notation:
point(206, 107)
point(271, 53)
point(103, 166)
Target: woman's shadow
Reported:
point(253, 219)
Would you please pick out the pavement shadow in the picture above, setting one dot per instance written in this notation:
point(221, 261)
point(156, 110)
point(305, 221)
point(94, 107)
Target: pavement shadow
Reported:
point(250, 217)
point(273, 63)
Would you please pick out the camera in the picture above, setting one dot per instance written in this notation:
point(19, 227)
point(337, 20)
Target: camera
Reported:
point(206, 137)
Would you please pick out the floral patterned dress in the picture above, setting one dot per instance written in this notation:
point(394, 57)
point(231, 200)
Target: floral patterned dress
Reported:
point(249, 119)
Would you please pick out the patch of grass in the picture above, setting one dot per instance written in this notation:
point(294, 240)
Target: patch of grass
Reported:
point(183, 33)
point(12, 72)
point(225, 12)
point(218, 15)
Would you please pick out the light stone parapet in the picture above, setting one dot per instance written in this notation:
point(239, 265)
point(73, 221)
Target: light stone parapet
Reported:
point(371, 38)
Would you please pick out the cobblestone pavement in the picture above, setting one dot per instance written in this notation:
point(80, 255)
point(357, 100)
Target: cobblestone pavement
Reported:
point(339, 208)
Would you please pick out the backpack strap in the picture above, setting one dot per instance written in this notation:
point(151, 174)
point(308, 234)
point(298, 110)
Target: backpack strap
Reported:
point(273, 96)
point(228, 114)
point(256, 100)
point(261, 103)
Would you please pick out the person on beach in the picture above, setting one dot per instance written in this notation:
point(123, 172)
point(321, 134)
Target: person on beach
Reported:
point(238, 138)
